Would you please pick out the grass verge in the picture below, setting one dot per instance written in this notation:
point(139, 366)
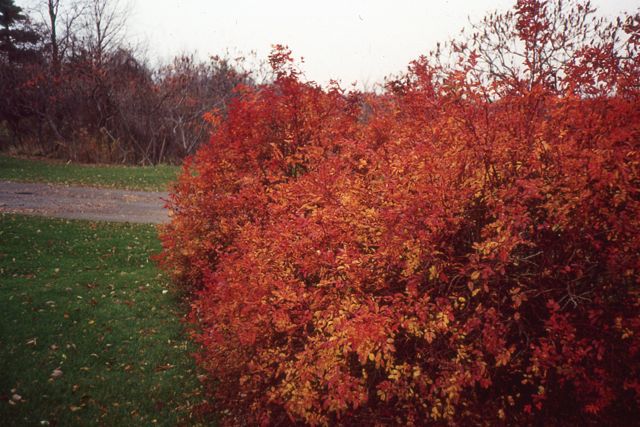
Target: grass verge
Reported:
point(90, 330)
point(151, 178)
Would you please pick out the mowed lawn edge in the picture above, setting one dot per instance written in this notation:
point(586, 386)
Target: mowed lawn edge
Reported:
point(144, 178)
point(90, 329)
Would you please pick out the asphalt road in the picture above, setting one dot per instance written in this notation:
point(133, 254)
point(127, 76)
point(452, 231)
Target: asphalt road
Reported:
point(96, 204)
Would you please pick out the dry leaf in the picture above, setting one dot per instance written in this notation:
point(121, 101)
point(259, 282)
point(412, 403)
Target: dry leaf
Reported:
point(57, 373)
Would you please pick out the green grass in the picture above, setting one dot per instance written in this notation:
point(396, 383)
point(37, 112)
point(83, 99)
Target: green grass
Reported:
point(84, 298)
point(153, 178)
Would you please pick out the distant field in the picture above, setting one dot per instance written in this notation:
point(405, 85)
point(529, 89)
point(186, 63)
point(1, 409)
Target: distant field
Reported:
point(90, 330)
point(152, 178)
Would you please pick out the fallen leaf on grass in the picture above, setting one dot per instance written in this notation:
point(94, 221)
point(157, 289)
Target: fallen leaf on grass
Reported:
point(57, 373)
point(164, 367)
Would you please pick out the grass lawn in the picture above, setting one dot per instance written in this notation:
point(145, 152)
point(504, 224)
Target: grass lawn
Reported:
point(90, 330)
point(154, 178)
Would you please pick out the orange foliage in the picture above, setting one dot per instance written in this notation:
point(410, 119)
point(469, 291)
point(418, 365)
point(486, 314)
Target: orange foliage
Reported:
point(462, 249)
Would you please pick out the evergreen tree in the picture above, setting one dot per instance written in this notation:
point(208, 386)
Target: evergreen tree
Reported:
point(17, 37)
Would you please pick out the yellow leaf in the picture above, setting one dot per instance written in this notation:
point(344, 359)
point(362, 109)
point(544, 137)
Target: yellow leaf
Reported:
point(433, 272)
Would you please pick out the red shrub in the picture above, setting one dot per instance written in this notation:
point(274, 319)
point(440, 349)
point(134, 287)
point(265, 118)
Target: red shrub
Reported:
point(269, 136)
point(462, 250)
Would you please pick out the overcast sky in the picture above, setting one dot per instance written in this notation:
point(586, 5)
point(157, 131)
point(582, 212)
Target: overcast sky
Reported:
point(347, 40)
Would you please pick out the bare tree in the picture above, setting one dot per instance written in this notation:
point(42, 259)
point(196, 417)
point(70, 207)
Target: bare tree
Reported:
point(61, 20)
point(53, 8)
point(105, 25)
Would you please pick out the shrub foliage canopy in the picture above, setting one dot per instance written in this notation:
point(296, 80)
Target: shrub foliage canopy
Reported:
point(460, 249)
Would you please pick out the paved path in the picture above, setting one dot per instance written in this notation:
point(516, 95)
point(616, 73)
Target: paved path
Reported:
point(95, 204)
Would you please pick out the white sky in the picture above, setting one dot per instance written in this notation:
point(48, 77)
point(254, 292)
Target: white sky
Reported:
point(346, 40)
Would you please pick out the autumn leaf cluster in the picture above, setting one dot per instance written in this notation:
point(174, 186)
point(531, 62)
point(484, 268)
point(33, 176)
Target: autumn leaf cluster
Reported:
point(460, 249)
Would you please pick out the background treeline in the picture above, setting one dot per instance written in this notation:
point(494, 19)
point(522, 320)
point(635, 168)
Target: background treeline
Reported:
point(72, 88)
